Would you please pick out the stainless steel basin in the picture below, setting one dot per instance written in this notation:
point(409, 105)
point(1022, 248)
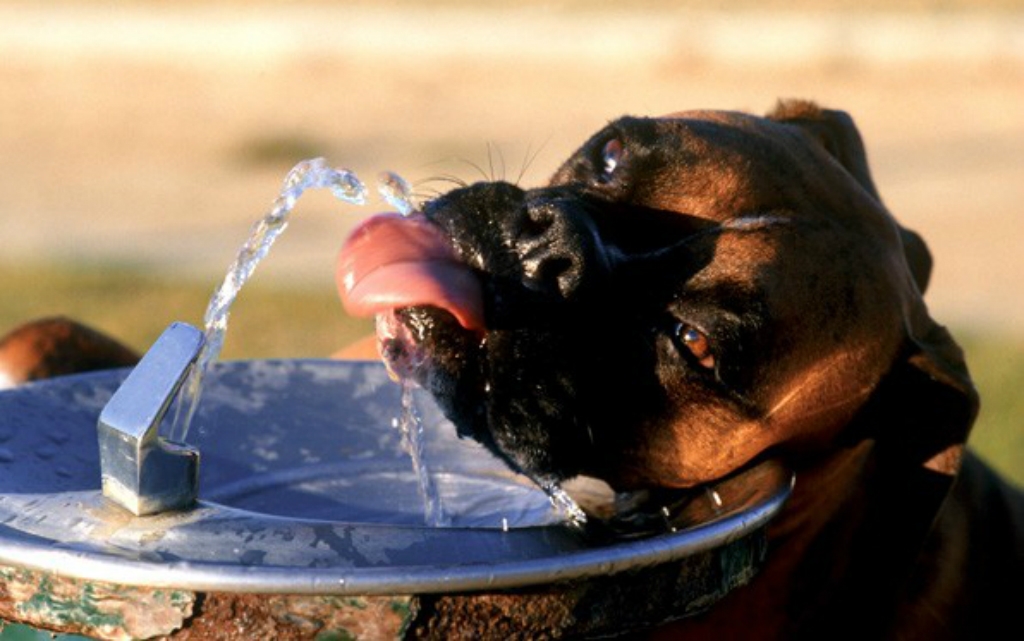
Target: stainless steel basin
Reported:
point(304, 489)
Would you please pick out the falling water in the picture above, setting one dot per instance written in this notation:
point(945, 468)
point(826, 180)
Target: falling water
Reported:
point(308, 174)
point(564, 504)
point(396, 191)
point(411, 426)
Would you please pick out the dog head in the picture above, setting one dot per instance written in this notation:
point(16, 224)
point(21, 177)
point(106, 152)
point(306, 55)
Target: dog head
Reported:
point(687, 295)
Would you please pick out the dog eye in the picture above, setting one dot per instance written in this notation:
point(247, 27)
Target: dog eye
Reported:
point(697, 343)
point(611, 156)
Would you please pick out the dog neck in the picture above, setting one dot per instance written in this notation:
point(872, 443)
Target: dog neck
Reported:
point(833, 553)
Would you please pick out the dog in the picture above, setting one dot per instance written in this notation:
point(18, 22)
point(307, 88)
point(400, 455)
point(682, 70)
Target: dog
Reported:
point(691, 295)
point(57, 346)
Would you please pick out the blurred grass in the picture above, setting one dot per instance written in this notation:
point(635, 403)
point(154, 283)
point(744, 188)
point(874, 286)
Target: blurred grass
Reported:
point(273, 322)
point(135, 306)
point(997, 367)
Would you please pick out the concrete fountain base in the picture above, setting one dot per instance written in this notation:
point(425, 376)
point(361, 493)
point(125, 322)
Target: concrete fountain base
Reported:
point(593, 607)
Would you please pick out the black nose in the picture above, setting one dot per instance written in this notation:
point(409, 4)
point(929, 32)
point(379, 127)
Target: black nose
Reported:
point(558, 246)
point(532, 247)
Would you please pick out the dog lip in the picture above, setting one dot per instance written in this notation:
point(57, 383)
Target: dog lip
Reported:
point(391, 261)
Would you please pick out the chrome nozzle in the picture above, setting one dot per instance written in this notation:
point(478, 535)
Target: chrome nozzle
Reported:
point(141, 471)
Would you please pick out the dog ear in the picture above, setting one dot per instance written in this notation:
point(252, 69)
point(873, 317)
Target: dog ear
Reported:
point(928, 399)
point(919, 259)
point(922, 411)
point(838, 134)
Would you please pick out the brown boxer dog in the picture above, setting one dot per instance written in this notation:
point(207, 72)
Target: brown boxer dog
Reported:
point(57, 346)
point(692, 295)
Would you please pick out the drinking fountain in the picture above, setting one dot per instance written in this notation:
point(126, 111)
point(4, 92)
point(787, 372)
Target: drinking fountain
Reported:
point(294, 506)
point(290, 508)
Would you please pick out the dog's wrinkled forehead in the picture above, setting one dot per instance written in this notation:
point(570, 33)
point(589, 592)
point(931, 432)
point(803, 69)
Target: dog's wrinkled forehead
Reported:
point(718, 165)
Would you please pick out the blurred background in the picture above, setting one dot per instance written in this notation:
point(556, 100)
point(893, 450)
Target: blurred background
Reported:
point(140, 140)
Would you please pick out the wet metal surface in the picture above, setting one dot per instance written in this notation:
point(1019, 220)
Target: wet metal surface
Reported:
point(304, 489)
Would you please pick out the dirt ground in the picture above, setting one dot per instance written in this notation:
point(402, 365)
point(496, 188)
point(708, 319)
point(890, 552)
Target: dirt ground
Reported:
point(152, 135)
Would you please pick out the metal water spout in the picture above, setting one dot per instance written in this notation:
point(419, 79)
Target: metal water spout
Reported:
point(141, 471)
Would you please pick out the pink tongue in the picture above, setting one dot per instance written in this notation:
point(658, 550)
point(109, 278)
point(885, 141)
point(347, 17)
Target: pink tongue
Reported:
point(391, 261)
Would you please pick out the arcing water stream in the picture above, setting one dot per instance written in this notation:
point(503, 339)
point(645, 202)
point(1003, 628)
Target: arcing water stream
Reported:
point(308, 174)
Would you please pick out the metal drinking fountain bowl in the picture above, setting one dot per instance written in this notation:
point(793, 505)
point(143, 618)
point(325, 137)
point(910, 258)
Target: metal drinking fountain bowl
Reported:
point(304, 488)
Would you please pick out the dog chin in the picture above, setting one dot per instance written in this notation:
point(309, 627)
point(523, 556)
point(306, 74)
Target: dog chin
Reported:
point(521, 417)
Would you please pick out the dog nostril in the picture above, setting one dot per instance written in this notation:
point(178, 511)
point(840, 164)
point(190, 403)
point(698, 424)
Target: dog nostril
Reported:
point(558, 271)
point(530, 228)
point(535, 222)
point(551, 267)
point(557, 246)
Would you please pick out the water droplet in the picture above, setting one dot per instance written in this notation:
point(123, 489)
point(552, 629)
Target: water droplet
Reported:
point(46, 452)
point(564, 503)
point(398, 347)
point(6, 433)
point(297, 175)
point(396, 191)
point(345, 186)
point(715, 498)
point(6, 455)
